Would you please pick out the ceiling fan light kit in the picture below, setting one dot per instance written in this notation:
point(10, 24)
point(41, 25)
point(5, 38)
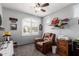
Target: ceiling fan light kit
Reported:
point(39, 7)
point(43, 10)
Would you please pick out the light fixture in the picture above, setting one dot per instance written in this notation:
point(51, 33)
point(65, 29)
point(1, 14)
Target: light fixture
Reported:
point(40, 7)
point(37, 9)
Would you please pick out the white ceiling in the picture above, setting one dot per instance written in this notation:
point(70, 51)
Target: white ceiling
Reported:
point(29, 8)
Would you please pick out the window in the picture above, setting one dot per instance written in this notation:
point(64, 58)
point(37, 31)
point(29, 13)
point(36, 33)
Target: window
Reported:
point(30, 27)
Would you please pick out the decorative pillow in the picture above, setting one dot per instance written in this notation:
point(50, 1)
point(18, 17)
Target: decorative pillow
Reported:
point(46, 36)
point(41, 43)
point(50, 38)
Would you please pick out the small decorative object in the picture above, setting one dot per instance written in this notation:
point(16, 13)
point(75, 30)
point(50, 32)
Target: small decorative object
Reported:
point(13, 20)
point(54, 48)
point(55, 21)
point(40, 27)
point(13, 26)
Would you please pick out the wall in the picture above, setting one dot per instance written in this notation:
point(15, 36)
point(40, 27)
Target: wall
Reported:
point(76, 10)
point(72, 29)
point(17, 34)
point(2, 19)
point(0, 9)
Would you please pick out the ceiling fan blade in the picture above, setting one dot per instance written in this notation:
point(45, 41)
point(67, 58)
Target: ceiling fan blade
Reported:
point(43, 10)
point(38, 4)
point(45, 5)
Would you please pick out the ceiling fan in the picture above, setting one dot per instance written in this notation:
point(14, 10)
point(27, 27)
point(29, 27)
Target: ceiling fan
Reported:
point(39, 6)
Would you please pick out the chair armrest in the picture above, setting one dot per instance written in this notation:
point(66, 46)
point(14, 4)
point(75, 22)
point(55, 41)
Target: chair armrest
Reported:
point(38, 38)
point(47, 43)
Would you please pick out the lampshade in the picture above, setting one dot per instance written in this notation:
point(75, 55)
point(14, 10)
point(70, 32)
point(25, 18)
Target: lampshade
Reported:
point(7, 34)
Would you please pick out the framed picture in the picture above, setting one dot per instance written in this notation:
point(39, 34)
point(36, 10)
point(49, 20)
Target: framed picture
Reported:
point(13, 26)
point(13, 20)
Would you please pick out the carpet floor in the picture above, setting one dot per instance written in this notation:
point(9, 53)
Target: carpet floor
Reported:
point(29, 50)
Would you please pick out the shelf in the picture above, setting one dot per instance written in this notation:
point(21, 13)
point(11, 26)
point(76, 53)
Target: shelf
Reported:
point(66, 20)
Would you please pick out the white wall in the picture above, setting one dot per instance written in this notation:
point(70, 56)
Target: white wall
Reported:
point(17, 34)
point(76, 10)
point(72, 29)
point(2, 19)
point(0, 9)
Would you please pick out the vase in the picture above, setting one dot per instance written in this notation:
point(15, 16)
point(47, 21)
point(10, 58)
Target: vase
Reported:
point(54, 49)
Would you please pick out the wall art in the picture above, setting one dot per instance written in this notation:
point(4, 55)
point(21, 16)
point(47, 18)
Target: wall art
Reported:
point(13, 26)
point(13, 20)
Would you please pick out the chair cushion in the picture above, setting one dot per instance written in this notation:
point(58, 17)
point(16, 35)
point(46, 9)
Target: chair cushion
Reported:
point(41, 43)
